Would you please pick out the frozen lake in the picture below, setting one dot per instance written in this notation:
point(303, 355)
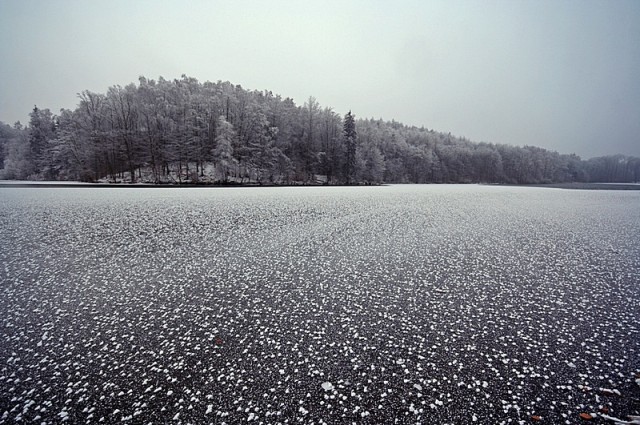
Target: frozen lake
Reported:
point(396, 304)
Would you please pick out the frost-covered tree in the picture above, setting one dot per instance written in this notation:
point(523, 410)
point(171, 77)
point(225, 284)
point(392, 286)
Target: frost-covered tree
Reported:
point(123, 120)
point(223, 152)
point(331, 152)
point(15, 152)
point(41, 131)
point(370, 163)
point(167, 129)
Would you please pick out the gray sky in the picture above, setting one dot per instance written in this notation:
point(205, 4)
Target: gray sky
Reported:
point(564, 75)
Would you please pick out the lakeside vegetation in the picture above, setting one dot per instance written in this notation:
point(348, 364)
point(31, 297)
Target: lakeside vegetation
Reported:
point(185, 131)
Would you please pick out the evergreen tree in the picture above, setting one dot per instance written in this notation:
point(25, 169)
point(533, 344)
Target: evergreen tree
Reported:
point(350, 138)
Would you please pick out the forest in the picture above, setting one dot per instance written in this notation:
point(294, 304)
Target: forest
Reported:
point(185, 131)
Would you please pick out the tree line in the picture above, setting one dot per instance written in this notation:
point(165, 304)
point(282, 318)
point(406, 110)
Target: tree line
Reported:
point(185, 131)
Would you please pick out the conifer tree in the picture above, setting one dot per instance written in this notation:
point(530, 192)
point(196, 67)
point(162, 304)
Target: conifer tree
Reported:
point(350, 137)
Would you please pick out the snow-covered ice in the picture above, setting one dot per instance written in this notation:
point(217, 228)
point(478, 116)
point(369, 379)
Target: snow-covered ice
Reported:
point(393, 304)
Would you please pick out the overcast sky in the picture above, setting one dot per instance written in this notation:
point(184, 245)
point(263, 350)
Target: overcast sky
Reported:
point(564, 75)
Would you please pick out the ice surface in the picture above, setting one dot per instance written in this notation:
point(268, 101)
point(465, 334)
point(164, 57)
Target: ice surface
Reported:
point(422, 304)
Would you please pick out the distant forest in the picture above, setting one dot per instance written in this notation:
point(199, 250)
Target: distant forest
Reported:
point(184, 131)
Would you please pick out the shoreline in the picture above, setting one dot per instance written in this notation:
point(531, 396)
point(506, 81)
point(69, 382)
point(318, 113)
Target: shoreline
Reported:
point(55, 184)
point(587, 186)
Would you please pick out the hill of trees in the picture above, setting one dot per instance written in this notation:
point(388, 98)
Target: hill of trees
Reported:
point(186, 131)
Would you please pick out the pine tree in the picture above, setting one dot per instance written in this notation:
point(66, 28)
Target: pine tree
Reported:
point(350, 138)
